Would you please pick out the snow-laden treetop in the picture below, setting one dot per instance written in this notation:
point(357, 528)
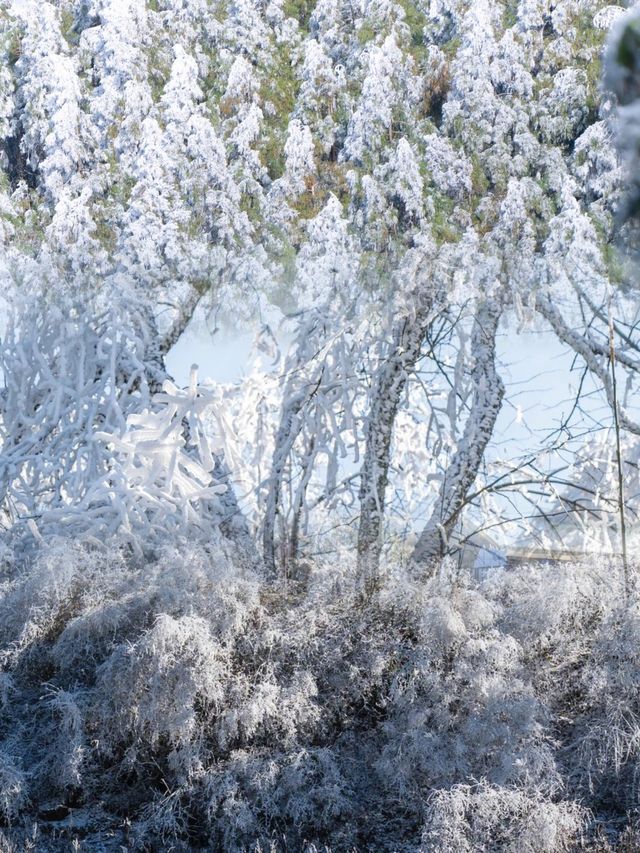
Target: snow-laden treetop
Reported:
point(197, 146)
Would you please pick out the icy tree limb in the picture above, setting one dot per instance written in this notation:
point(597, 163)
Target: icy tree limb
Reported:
point(590, 351)
point(185, 313)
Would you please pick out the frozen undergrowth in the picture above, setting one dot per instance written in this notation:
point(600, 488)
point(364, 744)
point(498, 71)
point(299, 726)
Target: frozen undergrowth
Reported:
point(181, 704)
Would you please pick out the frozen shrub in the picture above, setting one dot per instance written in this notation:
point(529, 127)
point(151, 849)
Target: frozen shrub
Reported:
point(608, 727)
point(299, 795)
point(153, 690)
point(482, 817)
point(462, 704)
point(66, 747)
point(13, 786)
point(202, 707)
point(543, 602)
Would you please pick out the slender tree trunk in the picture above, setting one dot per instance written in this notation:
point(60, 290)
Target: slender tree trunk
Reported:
point(620, 473)
point(299, 501)
point(288, 431)
point(295, 400)
point(486, 402)
point(389, 383)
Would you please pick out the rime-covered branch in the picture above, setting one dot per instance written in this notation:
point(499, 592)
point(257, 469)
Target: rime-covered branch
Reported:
point(592, 352)
point(488, 392)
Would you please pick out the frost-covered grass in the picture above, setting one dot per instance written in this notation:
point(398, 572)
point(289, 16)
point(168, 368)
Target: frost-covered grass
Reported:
point(182, 704)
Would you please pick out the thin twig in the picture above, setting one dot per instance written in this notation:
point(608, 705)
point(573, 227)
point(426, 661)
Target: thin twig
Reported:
point(616, 424)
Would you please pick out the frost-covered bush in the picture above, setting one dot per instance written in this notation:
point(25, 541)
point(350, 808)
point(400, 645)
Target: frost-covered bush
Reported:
point(608, 747)
point(12, 787)
point(179, 702)
point(462, 704)
point(467, 818)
